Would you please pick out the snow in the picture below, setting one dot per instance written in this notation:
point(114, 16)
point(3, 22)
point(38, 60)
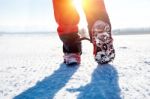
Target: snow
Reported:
point(31, 68)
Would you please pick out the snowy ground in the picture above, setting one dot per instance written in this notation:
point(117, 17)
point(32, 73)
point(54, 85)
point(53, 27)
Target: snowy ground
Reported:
point(31, 68)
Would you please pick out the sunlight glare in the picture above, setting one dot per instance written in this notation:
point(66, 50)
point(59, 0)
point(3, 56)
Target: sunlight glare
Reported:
point(77, 4)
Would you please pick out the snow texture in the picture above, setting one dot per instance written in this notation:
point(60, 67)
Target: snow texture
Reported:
point(31, 68)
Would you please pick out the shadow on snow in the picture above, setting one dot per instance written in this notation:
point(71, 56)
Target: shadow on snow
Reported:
point(104, 84)
point(47, 88)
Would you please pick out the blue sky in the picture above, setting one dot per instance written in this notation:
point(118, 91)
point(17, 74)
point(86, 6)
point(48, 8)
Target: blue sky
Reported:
point(26, 15)
point(37, 15)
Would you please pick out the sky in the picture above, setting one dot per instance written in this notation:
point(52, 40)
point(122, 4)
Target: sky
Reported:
point(37, 15)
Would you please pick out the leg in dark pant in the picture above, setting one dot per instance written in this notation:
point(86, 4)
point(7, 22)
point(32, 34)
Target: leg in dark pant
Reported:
point(67, 19)
point(95, 10)
point(100, 30)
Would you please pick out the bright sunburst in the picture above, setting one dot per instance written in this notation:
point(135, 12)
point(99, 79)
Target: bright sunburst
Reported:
point(78, 6)
point(77, 3)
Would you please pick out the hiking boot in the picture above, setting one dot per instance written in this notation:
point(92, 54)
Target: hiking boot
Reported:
point(72, 58)
point(103, 43)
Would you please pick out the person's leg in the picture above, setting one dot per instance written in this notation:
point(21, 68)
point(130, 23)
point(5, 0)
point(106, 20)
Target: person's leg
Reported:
point(95, 10)
point(100, 30)
point(67, 19)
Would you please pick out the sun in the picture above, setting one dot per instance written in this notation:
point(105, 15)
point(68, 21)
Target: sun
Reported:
point(79, 8)
point(77, 3)
point(83, 23)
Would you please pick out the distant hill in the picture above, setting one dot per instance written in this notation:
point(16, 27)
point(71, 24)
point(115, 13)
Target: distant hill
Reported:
point(125, 31)
point(131, 31)
point(34, 32)
point(28, 33)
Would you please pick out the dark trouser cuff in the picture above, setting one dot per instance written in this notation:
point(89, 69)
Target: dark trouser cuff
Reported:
point(71, 43)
